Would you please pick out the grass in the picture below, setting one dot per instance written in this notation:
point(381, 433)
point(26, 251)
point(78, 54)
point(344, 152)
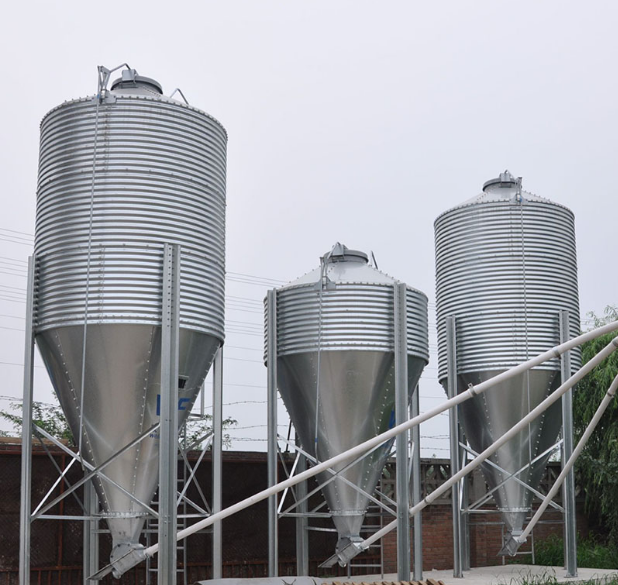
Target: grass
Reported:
point(551, 580)
point(590, 553)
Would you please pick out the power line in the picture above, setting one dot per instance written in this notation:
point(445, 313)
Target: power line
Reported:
point(262, 278)
point(14, 260)
point(235, 347)
point(18, 288)
point(229, 330)
point(31, 236)
point(16, 364)
point(247, 299)
point(16, 242)
point(228, 308)
point(242, 360)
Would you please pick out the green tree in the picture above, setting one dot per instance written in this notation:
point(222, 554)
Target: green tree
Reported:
point(598, 464)
point(50, 417)
point(198, 429)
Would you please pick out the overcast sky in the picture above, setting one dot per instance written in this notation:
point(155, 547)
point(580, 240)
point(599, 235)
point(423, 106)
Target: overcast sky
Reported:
point(348, 121)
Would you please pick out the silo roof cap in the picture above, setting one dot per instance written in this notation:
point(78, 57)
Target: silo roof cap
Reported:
point(505, 180)
point(341, 253)
point(505, 190)
point(131, 79)
point(345, 266)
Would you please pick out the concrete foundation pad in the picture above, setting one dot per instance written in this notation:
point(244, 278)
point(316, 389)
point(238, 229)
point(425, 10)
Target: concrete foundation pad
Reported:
point(266, 581)
point(497, 575)
point(501, 575)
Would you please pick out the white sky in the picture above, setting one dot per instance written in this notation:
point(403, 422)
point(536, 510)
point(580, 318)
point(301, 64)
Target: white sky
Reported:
point(349, 121)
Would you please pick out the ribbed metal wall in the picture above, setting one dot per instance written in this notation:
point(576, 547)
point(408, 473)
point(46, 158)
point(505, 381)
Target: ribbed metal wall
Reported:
point(505, 268)
point(159, 177)
point(353, 316)
point(357, 314)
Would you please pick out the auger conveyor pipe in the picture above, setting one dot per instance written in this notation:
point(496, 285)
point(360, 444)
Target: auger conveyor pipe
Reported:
point(522, 424)
point(417, 420)
point(609, 396)
point(555, 352)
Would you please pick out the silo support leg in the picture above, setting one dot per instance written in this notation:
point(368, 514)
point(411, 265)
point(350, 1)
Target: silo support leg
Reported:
point(91, 536)
point(168, 444)
point(401, 415)
point(570, 527)
point(451, 349)
point(273, 540)
point(302, 542)
point(465, 499)
point(217, 447)
point(26, 440)
point(416, 488)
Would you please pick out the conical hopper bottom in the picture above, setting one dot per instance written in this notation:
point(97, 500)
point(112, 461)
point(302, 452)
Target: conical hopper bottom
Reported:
point(486, 417)
point(121, 401)
point(356, 402)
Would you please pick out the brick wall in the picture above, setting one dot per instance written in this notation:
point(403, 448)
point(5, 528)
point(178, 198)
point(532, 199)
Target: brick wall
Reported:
point(57, 544)
point(485, 529)
point(485, 538)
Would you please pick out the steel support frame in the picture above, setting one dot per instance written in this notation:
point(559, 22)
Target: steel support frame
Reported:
point(334, 475)
point(475, 507)
point(217, 455)
point(302, 522)
point(568, 488)
point(415, 472)
point(168, 444)
point(271, 357)
point(92, 471)
point(91, 533)
point(168, 430)
point(401, 415)
point(301, 499)
point(403, 460)
point(461, 551)
point(464, 501)
point(454, 435)
point(26, 440)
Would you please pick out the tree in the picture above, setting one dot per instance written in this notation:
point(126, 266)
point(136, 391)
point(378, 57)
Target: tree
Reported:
point(598, 463)
point(50, 417)
point(197, 430)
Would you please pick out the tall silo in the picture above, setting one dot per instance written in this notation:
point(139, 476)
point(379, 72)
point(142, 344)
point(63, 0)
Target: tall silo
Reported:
point(121, 174)
point(335, 369)
point(505, 268)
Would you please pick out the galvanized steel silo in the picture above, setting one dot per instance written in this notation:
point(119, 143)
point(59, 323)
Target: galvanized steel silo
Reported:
point(335, 348)
point(120, 175)
point(505, 267)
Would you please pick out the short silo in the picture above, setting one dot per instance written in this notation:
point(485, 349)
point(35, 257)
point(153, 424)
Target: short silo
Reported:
point(505, 268)
point(335, 364)
point(120, 175)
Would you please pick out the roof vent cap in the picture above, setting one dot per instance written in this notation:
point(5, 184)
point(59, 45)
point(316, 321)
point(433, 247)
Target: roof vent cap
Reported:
point(132, 81)
point(341, 253)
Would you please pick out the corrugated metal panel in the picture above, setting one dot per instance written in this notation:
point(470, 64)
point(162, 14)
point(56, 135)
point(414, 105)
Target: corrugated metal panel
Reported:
point(505, 268)
point(160, 177)
point(352, 316)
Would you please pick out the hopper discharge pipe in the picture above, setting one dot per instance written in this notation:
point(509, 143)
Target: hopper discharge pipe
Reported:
point(134, 557)
point(514, 543)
